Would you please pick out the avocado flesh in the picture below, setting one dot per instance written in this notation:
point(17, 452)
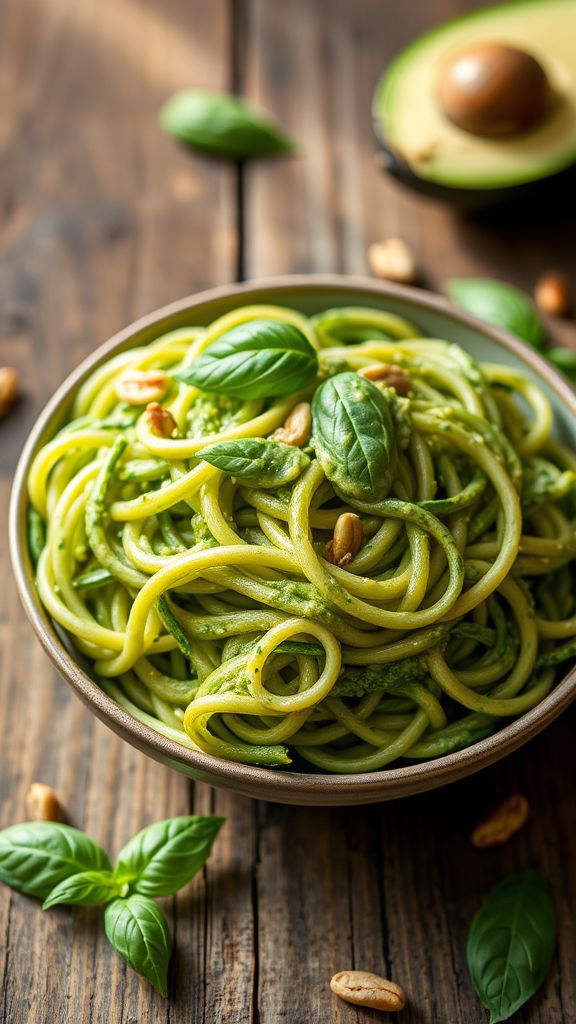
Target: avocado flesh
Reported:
point(413, 126)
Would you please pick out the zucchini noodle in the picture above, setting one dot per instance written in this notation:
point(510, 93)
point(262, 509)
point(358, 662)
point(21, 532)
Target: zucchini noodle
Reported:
point(214, 604)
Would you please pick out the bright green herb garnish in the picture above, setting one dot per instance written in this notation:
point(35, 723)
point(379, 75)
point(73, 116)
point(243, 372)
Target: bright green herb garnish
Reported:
point(355, 436)
point(256, 359)
point(59, 864)
point(510, 944)
point(257, 461)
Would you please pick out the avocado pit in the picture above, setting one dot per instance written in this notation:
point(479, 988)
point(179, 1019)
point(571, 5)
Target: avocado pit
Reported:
point(494, 90)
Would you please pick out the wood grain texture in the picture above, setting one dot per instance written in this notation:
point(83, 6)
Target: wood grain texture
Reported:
point(102, 218)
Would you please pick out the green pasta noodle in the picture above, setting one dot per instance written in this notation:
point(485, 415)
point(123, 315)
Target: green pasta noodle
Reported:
point(373, 566)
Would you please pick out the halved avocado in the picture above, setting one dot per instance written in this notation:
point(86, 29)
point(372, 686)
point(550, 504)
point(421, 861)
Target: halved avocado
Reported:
point(427, 151)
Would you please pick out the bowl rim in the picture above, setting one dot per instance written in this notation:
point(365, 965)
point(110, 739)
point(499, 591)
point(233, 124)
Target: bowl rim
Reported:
point(285, 784)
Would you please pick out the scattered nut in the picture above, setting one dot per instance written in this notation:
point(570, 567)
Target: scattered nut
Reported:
point(393, 260)
point(138, 387)
point(389, 374)
point(160, 421)
point(502, 823)
point(42, 804)
point(365, 989)
point(553, 294)
point(297, 426)
point(8, 388)
point(347, 540)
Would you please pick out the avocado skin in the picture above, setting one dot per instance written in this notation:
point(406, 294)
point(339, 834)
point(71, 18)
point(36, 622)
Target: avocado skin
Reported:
point(552, 187)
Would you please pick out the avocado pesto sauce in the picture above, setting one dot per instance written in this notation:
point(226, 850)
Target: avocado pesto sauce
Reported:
point(372, 565)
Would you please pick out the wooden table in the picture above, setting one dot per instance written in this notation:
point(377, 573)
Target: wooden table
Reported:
point(103, 219)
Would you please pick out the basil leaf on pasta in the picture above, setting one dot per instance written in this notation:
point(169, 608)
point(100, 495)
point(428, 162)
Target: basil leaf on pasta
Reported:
point(222, 125)
point(257, 461)
point(354, 435)
point(163, 857)
point(36, 855)
point(510, 944)
point(256, 359)
point(138, 931)
point(84, 889)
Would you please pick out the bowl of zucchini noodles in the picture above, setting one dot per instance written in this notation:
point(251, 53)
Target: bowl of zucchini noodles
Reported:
point(311, 539)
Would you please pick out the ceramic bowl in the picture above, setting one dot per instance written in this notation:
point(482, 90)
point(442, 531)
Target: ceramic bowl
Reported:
point(436, 318)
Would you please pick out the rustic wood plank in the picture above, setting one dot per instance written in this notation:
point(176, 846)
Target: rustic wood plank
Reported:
point(303, 912)
point(103, 218)
point(390, 888)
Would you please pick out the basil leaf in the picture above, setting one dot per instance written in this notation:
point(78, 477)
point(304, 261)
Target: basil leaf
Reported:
point(355, 436)
point(162, 858)
point(510, 944)
point(36, 855)
point(221, 124)
point(563, 359)
point(258, 359)
point(137, 929)
point(256, 461)
point(84, 889)
point(500, 304)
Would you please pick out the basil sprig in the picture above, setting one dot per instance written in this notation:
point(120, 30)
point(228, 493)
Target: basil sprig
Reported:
point(355, 436)
point(257, 461)
point(500, 304)
point(257, 359)
point(510, 944)
point(59, 864)
point(222, 125)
